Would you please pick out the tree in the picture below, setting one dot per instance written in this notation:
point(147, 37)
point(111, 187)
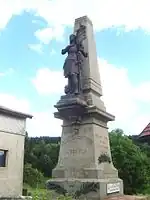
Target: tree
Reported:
point(132, 163)
point(32, 176)
point(42, 153)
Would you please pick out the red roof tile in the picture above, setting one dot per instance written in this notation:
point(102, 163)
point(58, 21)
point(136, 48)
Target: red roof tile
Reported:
point(146, 131)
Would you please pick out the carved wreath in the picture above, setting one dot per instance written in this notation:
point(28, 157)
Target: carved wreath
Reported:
point(104, 158)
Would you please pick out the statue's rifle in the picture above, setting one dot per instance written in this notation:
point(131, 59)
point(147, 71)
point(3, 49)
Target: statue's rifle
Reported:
point(80, 36)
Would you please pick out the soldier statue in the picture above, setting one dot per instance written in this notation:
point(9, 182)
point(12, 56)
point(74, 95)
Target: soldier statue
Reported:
point(73, 63)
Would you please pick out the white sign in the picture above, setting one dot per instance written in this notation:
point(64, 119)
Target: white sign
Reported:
point(113, 187)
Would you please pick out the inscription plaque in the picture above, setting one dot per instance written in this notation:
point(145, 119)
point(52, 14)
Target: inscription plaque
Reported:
point(113, 188)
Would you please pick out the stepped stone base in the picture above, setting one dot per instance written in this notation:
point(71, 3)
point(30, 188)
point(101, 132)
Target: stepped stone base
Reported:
point(85, 189)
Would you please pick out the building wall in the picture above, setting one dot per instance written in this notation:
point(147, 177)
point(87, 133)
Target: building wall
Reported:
point(12, 132)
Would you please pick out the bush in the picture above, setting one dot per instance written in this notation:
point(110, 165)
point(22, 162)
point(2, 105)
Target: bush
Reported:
point(41, 194)
point(32, 176)
point(132, 164)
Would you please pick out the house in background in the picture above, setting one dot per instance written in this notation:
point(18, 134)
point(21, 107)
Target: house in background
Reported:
point(12, 137)
point(144, 136)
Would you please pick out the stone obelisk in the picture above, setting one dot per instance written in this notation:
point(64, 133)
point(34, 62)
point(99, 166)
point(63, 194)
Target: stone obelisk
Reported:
point(85, 167)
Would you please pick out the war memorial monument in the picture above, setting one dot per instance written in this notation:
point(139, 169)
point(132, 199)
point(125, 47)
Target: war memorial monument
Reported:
point(84, 169)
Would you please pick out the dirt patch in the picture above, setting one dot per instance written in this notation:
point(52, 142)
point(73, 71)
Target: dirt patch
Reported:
point(127, 197)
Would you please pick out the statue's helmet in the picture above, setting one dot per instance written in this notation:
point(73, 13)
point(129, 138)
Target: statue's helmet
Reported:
point(72, 37)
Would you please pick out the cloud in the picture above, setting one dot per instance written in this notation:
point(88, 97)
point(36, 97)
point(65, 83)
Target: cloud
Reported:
point(36, 47)
point(142, 92)
point(39, 49)
point(48, 82)
point(138, 11)
point(45, 35)
point(123, 99)
point(129, 15)
point(12, 102)
point(119, 95)
point(117, 90)
point(44, 124)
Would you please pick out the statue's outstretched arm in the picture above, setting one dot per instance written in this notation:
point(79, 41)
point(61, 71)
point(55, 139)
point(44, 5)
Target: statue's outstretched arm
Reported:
point(64, 51)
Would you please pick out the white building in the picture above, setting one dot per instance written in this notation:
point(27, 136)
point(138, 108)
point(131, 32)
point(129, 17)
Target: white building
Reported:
point(12, 136)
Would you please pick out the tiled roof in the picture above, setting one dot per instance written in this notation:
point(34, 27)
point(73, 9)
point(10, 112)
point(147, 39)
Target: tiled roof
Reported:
point(146, 131)
point(14, 113)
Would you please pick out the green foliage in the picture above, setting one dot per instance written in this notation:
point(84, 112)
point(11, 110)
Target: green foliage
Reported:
point(133, 164)
point(42, 153)
point(42, 194)
point(32, 176)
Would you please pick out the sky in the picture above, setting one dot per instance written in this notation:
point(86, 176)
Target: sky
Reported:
point(32, 34)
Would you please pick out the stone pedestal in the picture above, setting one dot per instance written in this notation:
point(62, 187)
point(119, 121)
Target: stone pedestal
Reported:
point(85, 169)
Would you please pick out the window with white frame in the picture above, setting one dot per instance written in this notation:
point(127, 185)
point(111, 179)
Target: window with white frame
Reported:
point(3, 155)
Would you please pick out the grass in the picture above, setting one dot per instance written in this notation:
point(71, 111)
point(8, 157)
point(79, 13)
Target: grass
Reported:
point(43, 194)
point(38, 192)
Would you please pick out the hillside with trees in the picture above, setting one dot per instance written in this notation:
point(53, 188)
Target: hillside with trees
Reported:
point(130, 157)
